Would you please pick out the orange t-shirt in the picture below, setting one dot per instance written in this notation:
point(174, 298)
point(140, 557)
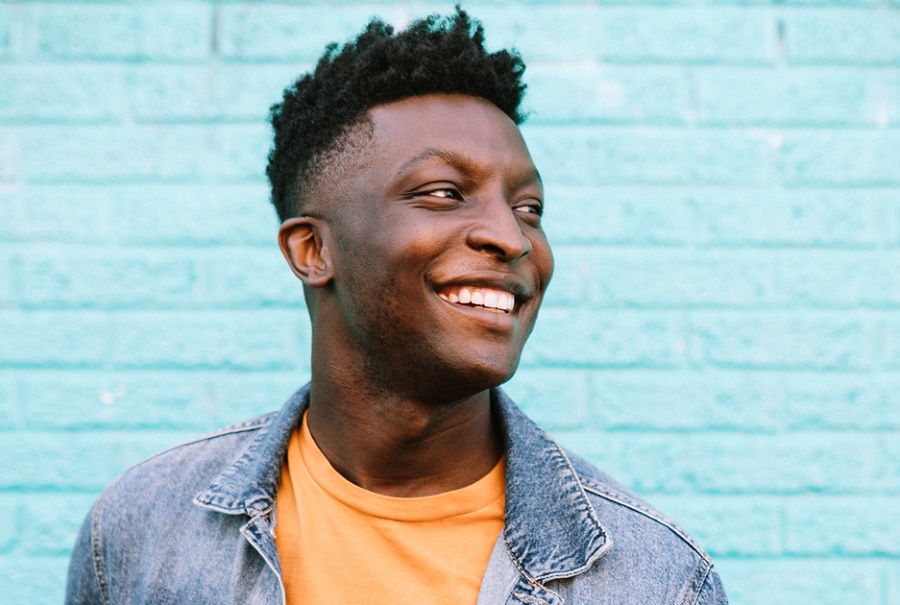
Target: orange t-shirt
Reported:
point(339, 543)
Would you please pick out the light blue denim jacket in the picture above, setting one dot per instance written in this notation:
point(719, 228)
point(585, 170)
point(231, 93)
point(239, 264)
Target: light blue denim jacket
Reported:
point(195, 525)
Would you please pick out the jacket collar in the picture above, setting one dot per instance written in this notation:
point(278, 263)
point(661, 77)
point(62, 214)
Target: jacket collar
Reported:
point(249, 485)
point(551, 530)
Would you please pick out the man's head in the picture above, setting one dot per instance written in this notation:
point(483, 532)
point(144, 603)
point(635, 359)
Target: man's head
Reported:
point(324, 112)
point(421, 250)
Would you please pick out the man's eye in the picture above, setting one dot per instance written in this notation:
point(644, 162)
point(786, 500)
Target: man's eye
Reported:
point(533, 208)
point(444, 192)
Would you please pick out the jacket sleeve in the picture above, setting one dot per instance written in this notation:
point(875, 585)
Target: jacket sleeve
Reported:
point(712, 592)
point(83, 587)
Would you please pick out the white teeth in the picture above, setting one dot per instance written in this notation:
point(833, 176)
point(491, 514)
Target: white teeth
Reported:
point(508, 302)
point(481, 297)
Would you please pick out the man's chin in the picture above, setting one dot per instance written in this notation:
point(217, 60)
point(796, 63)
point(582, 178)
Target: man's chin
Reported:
point(476, 379)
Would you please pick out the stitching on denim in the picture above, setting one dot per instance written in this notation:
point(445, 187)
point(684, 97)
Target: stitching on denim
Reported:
point(97, 555)
point(592, 514)
point(608, 493)
point(696, 583)
point(528, 577)
point(587, 508)
point(250, 425)
point(527, 598)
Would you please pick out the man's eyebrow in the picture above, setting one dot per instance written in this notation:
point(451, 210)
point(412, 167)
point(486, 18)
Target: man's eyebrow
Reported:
point(451, 157)
point(458, 160)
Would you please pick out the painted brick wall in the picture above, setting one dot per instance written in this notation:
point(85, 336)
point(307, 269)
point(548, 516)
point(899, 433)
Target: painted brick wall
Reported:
point(723, 331)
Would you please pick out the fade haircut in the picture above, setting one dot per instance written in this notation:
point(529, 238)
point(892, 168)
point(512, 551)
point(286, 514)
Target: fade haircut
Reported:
point(321, 109)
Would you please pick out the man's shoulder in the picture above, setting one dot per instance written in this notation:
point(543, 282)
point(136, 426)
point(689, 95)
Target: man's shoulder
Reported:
point(186, 468)
point(631, 521)
point(645, 544)
point(627, 514)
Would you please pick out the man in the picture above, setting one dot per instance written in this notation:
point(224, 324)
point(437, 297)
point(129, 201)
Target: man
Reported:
point(411, 211)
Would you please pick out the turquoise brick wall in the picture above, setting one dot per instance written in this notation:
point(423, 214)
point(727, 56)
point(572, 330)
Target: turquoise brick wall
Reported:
point(723, 331)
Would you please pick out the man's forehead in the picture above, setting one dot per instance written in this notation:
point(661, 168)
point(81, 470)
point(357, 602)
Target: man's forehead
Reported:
point(455, 129)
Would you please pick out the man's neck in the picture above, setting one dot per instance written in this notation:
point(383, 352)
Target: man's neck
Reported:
point(397, 446)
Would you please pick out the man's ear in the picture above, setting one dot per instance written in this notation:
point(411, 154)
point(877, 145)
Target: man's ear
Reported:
point(301, 241)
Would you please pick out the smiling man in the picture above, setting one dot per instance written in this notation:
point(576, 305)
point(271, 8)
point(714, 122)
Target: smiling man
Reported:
point(411, 210)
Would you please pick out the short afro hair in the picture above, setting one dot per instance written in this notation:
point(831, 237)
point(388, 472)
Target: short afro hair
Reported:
point(433, 55)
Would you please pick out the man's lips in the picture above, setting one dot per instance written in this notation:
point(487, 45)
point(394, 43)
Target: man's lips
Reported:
point(498, 292)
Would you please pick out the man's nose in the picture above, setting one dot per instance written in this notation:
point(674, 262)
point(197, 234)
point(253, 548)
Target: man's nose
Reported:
point(497, 230)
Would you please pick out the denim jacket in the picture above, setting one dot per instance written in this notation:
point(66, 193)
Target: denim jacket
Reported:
point(195, 525)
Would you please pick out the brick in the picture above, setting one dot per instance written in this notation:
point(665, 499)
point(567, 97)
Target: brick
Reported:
point(53, 522)
point(842, 526)
point(657, 156)
point(855, 402)
point(34, 580)
point(555, 399)
point(840, 278)
point(788, 218)
point(8, 31)
point(888, 109)
point(825, 341)
point(194, 215)
point(173, 33)
point(10, 523)
point(729, 525)
point(79, 93)
point(250, 277)
point(890, 329)
point(531, 28)
point(661, 278)
point(8, 274)
point(888, 472)
point(53, 339)
point(10, 211)
point(75, 460)
point(206, 92)
point(801, 97)
point(730, 464)
point(843, 37)
point(582, 338)
point(561, 93)
point(848, 158)
point(893, 582)
point(612, 215)
point(285, 32)
point(682, 401)
point(241, 152)
point(632, 35)
point(210, 340)
point(110, 154)
point(248, 91)
point(836, 3)
point(9, 406)
point(792, 581)
point(675, 34)
point(65, 213)
point(11, 162)
point(98, 278)
point(150, 400)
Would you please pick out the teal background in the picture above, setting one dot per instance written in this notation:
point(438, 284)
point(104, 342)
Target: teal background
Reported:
point(722, 333)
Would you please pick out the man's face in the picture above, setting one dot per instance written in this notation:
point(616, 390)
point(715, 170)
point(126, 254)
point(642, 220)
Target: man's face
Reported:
point(441, 262)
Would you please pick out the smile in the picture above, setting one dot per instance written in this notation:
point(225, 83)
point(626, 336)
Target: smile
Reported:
point(490, 299)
